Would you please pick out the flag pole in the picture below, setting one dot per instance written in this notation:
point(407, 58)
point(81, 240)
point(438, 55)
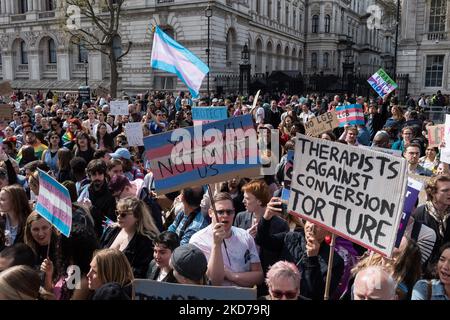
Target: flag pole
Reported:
point(330, 267)
point(213, 205)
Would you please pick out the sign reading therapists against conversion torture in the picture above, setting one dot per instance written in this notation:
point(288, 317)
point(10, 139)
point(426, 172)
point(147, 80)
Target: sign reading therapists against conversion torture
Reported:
point(199, 155)
point(353, 192)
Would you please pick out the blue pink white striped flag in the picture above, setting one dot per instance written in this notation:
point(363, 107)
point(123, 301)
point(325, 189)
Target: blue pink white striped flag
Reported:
point(54, 203)
point(351, 114)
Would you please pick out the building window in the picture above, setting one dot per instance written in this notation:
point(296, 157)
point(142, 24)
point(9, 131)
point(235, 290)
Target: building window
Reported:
point(287, 16)
point(315, 24)
point(50, 5)
point(326, 58)
point(278, 11)
point(294, 19)
point(117, 46)
point(438, 11)
point(22, 6)
point(258, 6)
point(82, 53)
point(300, 22)
point(314, 60)
point(327, 23)
point(164, 83)
point(434, 72)
point(51, 51)
point(269, 9)
point(1, 59)
point(23, 53)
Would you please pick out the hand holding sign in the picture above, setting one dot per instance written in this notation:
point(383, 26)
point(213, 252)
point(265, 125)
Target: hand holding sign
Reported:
point(119, 108)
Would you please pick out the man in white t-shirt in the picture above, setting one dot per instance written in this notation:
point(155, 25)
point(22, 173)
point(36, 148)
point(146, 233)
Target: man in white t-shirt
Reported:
point(238, 264)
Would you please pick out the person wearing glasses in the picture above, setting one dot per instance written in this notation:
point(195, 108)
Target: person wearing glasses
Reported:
point(283, 281)
point(157, 124)
point(231, 252)
point(133, 234)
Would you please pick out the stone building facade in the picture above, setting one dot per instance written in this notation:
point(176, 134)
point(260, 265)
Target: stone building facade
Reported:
point(424, 46)
point(309, 36)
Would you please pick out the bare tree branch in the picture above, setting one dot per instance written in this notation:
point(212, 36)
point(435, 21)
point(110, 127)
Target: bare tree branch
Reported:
point(126, 52)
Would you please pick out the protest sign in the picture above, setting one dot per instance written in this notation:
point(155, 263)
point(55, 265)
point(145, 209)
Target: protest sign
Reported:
point(54, 203)
point(144, 289)
point(5, 88)
point(445, 152)
point(134, 133)
point(255, 101)
point(288, 170)
point(382, 83)
point(203, 115)
point(435, 135)
point(119, 108)
point(6, 112)
point(392, 152)
point(322, 123)
point(353, 192)
point(424, 180)
point(412, 193)
point(101, 92)
point(198, 155)
point(351, 114)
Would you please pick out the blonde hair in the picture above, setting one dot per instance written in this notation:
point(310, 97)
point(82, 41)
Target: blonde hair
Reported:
point(22, 283)
point(28, 238)
point(113, 266)
point(145, 225)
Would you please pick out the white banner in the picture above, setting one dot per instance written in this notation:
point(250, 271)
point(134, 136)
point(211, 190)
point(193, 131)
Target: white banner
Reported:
point(353, 192)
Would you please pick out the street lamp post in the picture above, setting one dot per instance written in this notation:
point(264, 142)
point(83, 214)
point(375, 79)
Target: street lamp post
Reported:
point(348, 64)
point(86, 72)
point(208, 15)
point(396, 40)
point(244, 72)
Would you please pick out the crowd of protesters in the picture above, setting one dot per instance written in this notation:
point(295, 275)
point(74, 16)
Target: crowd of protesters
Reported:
point(122, 230)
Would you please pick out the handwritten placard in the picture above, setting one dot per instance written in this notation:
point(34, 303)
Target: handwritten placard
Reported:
point(436, 135)
point(119, 108)
point(322, 123)
point(134, 133)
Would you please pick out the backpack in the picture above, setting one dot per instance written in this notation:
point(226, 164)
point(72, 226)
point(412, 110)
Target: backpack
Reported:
point(155, 208)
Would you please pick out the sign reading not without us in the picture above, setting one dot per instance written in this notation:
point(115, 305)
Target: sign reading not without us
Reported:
point(353, 192)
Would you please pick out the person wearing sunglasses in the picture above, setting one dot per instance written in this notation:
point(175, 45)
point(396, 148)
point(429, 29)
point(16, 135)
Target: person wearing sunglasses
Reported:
point(133, 234)
point(283, 281)
point(240, 266)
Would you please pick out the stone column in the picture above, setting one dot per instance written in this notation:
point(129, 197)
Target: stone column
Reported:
point(322, 18)
point(95, 66)
point(37, 5)
point(34, 65)
point(8, 65)
point(30, 5)
point(9, 7)
point(63, 63)
point(3, 7)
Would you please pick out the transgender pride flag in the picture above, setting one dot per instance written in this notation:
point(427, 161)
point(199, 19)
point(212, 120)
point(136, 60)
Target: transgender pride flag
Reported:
point(170, 56)
point(54, 203)
point(351, 114)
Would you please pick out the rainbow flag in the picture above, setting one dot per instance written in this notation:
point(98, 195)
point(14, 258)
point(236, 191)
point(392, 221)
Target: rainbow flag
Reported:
point(54, 203)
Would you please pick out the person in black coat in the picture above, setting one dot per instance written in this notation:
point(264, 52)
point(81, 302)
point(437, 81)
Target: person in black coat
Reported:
point(133, 234)
point(306, 249)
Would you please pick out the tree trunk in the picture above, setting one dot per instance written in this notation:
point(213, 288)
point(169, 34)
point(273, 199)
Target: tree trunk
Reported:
point(114, 74)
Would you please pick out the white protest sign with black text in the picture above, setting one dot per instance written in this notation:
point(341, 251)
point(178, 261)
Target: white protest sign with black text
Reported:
point(135, 136)
point(353, 192)
point(119, 108)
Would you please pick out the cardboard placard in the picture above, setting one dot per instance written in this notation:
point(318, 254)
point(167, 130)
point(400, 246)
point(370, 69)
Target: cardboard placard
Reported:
point(5, 88)
point(436, 135)
point(6, 112)
point(321, 124)
point(352, 192)
point(101, 92)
